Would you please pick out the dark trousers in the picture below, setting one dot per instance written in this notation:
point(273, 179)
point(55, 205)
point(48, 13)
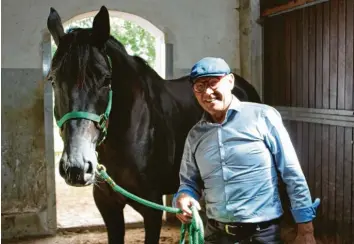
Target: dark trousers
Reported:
point(266, 233)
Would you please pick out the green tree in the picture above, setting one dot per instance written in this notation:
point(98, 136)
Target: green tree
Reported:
point(136, 40)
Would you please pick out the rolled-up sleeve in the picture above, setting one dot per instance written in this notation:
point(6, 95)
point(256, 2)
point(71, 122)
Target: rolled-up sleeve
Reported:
point(279, 142)
point(190, 181)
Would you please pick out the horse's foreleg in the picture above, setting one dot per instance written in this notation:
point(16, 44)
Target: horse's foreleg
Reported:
point(152, 224)
point(112, 214)
point(152, 221)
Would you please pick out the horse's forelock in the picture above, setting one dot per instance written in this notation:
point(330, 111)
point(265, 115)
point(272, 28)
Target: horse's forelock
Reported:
point(74, 58)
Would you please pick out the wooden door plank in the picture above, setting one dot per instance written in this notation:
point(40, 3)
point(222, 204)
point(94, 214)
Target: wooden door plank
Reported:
point(299, 51)
point(325, 54)
point(332, 175)
point(348, 168)
point(299, 143)
point(318, 160)
point(349, 69)
point(341, 54)
point(294, 77)
point(312, 57)
point(287, 80)
point(333, 61)
point(305, 150)
point(319, 58)
point(274, 60)
point(305, 59)
point(339, 183)
point(325, 178)
point(312, 151)
point(266, 63)
point(281, 61)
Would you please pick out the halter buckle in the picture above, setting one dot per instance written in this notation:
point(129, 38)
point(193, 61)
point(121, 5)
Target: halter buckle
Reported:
point(101, 167)
point(102, 124)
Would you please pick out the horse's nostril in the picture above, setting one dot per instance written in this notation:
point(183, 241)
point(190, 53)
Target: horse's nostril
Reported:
point(74, 175)
point(88, 167)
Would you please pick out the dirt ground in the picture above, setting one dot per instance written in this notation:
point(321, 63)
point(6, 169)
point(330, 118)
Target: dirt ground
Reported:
point(169, 235)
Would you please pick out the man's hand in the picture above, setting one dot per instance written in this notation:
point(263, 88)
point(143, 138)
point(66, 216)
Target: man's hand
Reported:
point(305, 234)
point(184, 202)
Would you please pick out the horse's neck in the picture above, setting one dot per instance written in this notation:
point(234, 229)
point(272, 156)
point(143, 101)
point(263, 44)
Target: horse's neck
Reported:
point(128, 99)
point(166, 100)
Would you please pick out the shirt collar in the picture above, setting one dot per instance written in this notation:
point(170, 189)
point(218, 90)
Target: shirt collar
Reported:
point(234, 107)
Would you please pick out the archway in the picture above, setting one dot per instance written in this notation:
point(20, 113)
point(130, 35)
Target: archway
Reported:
point(75, 206)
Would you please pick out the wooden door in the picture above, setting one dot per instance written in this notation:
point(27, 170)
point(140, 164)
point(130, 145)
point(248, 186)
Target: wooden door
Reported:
point(308, 77)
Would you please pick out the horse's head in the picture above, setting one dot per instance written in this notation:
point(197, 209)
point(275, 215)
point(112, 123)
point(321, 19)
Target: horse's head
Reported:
point(81, 77)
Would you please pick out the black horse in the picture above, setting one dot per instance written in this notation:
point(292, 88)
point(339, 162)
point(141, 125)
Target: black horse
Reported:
point(148, 123)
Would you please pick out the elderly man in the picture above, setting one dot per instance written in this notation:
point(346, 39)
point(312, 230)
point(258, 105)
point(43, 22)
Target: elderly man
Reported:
point(232, 156)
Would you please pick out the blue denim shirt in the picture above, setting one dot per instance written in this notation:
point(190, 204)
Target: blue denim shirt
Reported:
point(235, 164)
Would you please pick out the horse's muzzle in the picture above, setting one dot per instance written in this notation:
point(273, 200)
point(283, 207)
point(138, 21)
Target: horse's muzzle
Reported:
point(77, 176)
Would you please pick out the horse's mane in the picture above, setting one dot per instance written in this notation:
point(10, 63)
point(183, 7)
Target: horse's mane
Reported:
point(139, 64)
point(135, 67)
point(149, 80)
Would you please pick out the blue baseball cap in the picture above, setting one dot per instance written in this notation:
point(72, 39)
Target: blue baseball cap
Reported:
point(209, 66)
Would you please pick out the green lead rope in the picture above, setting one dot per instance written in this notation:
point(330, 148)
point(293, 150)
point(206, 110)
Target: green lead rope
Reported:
point(195, 228)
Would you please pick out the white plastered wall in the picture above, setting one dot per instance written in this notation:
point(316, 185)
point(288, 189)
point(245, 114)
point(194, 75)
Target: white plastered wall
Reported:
point(195, 28)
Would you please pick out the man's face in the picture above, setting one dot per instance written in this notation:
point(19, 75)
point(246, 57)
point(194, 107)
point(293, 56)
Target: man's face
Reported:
point(214, 93)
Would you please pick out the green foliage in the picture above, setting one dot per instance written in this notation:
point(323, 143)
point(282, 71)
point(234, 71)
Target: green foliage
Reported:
point(136, 40)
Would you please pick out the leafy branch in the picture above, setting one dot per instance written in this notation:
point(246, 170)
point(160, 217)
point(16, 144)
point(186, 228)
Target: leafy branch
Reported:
point(136, 40)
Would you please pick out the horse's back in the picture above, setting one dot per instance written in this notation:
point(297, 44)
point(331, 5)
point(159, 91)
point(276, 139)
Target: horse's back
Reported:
point(244, 90)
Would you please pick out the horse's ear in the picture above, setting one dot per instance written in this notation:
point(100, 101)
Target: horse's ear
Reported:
point(101, 27)
point(55, 26)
